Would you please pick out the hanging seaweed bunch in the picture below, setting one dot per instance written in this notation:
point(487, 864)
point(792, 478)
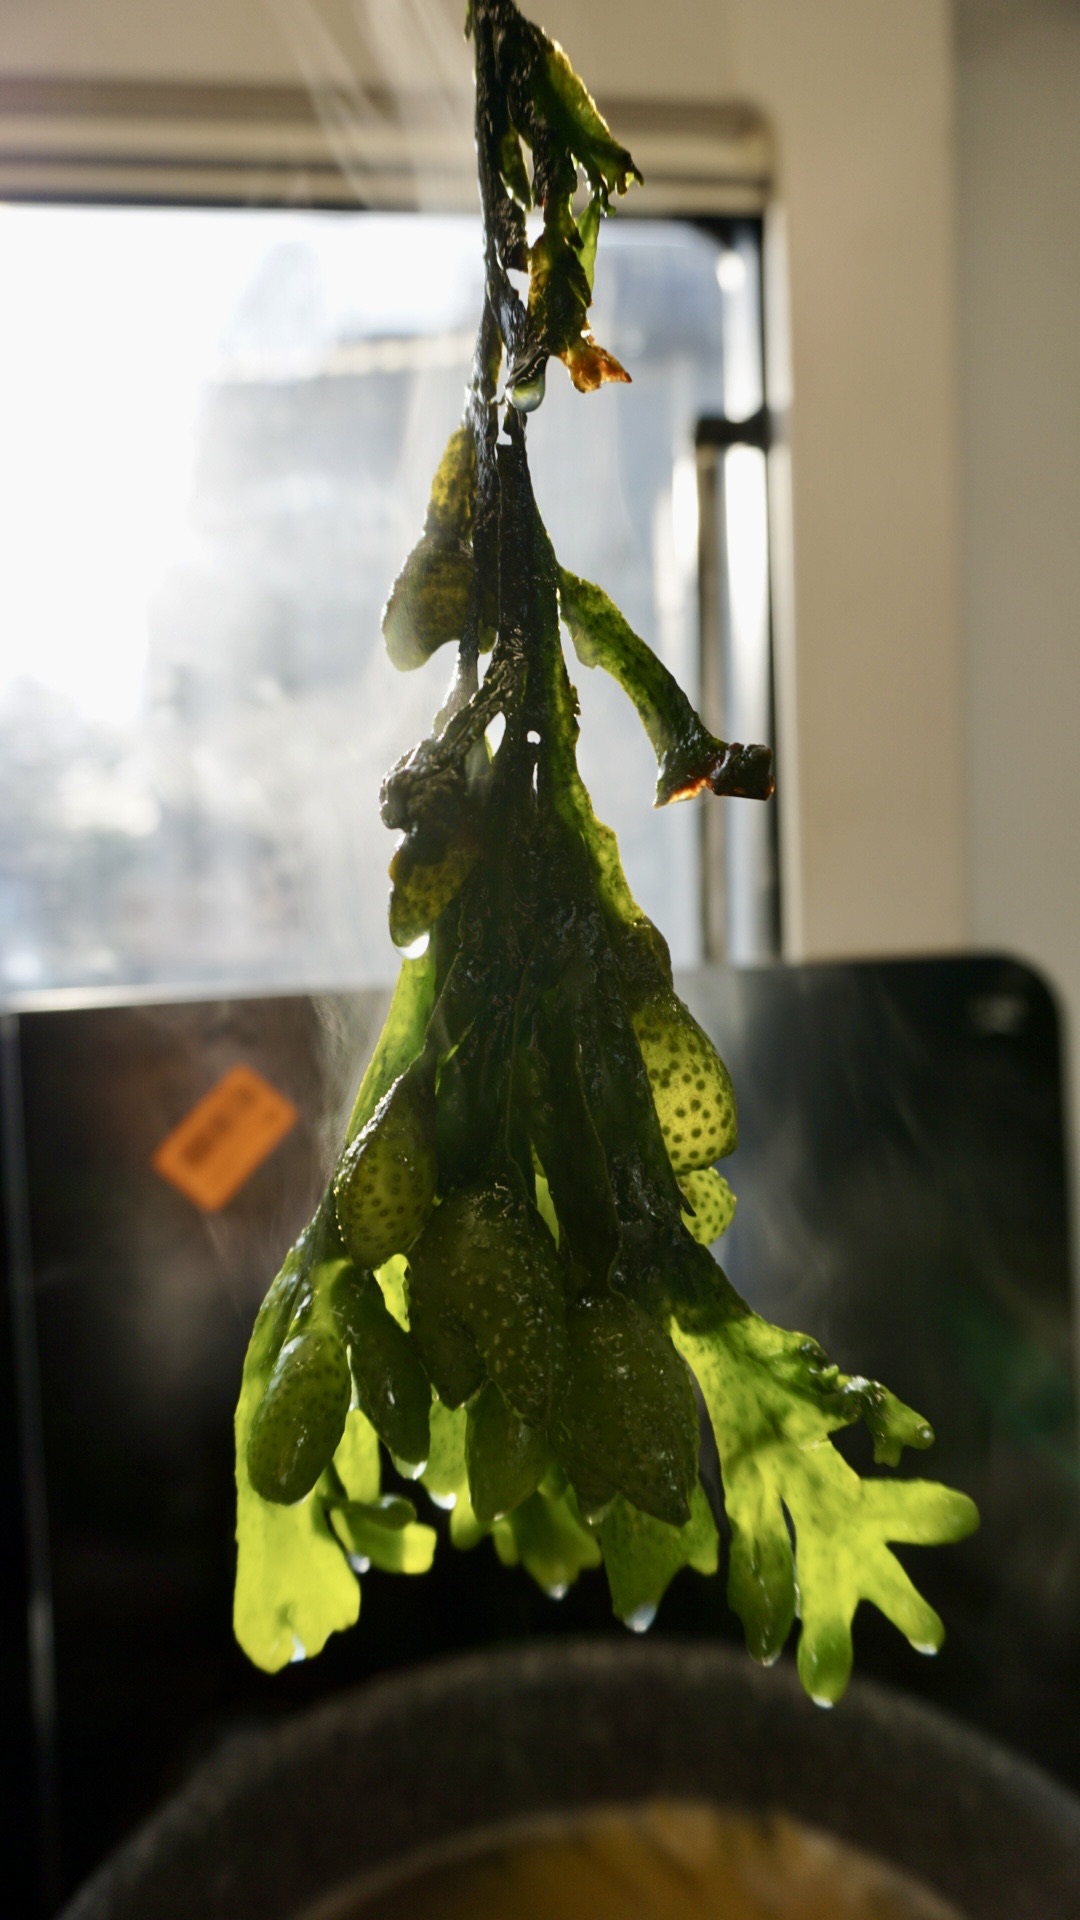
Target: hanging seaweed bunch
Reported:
point(508, 1284)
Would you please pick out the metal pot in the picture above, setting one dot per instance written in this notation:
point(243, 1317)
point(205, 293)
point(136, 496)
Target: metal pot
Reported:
point(279, 1823)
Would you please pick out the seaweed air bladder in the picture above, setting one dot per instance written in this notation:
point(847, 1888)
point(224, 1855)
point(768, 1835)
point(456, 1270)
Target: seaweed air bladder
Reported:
point(508, 1287)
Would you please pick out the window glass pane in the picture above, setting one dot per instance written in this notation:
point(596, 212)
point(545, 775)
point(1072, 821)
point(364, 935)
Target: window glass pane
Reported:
point(217, 432)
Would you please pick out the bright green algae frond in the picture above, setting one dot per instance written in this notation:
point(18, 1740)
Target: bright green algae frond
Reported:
point(507, 1288)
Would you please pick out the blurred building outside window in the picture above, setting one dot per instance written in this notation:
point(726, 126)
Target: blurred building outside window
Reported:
point(217, 433)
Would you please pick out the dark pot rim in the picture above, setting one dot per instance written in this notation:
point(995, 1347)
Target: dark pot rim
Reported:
point(278, 1820)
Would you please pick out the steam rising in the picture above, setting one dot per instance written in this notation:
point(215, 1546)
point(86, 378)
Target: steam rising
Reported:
point(389, 76)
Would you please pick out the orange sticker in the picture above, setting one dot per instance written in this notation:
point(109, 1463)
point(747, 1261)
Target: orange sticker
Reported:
point(227, 1134)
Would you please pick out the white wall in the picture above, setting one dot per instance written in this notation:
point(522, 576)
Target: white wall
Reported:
point(1018, 164)
point(860, 97)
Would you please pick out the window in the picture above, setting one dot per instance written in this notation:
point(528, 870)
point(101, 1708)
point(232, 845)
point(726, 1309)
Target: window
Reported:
point(217, 431)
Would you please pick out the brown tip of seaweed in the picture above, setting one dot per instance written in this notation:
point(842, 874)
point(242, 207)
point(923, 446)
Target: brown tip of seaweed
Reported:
point(744, 773)
point(591, 366)
point(689, 790)
point(736, 772)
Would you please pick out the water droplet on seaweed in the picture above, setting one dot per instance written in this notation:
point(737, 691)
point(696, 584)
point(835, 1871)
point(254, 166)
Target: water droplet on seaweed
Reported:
point(409, 1469)
point(526, 395)
point(641, 1619)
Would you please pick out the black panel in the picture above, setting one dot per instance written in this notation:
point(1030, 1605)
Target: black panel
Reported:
point(902, 1196)
point(29, 1846)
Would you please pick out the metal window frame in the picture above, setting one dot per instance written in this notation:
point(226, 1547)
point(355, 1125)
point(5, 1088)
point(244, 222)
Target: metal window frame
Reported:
point(220, 143)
